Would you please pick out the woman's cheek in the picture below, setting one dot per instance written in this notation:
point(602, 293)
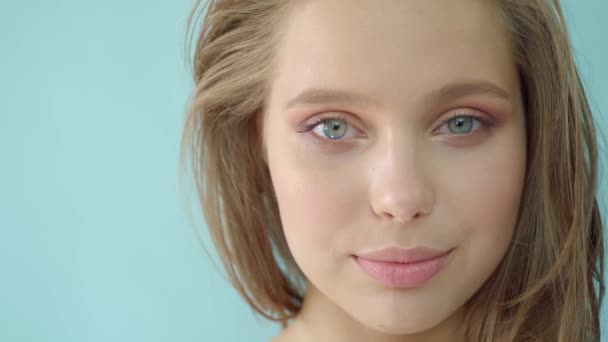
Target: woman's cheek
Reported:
point(487, 197)
point(317, 206)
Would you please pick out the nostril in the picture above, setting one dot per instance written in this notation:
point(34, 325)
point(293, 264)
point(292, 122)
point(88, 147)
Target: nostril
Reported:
point(401, 219)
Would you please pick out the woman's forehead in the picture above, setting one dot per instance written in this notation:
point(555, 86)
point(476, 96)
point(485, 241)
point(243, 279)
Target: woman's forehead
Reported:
point(390, 48)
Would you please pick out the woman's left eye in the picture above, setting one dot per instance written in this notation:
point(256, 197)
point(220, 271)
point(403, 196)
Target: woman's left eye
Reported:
point(461, 124)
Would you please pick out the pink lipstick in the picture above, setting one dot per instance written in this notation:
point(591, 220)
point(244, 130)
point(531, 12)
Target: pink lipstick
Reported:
point(398, 267)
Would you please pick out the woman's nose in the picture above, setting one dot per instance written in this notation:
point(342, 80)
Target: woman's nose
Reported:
point(400, 189)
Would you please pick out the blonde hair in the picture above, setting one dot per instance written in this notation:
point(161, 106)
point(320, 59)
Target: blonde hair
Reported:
point(549, 285)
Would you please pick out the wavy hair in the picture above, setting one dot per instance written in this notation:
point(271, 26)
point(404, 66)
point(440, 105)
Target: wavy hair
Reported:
point(550, 283)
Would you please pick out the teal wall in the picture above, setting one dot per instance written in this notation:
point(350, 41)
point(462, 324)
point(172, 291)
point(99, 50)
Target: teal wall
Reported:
point(94, 242)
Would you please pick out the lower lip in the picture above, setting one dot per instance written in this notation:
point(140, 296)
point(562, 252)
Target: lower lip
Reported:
point(397, 274)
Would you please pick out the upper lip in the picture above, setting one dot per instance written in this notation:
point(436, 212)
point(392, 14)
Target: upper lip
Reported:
point(402, 255)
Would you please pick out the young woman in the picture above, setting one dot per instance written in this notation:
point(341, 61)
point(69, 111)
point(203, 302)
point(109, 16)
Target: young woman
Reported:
point(399, 170)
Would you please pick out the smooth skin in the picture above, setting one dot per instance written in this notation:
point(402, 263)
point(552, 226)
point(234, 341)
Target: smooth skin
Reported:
point(394, 167)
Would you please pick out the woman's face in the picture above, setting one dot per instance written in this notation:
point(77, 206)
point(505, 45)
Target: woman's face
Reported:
point(423, 144)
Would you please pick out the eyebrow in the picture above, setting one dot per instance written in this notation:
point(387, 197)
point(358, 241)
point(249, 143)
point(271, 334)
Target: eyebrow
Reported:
point(316, 96)
point(447, 93)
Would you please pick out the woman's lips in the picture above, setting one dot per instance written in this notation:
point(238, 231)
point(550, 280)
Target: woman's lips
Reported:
point(403, 255)
point(396, 267)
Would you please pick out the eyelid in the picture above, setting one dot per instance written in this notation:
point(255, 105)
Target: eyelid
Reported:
point(316, 120)
point(484, 120)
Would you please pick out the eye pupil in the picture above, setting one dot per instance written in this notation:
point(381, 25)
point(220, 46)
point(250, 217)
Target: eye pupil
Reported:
point(461, 125)
point(334, 129)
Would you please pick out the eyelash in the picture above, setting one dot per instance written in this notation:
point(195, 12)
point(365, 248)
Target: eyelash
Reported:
point(321, 118)
point(307, 127)
point(485, 123)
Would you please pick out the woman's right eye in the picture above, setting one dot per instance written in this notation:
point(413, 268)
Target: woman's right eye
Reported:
point(330, 128)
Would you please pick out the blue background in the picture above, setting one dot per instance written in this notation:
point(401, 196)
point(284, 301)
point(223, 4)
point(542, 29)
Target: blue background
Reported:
point(95, 242)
